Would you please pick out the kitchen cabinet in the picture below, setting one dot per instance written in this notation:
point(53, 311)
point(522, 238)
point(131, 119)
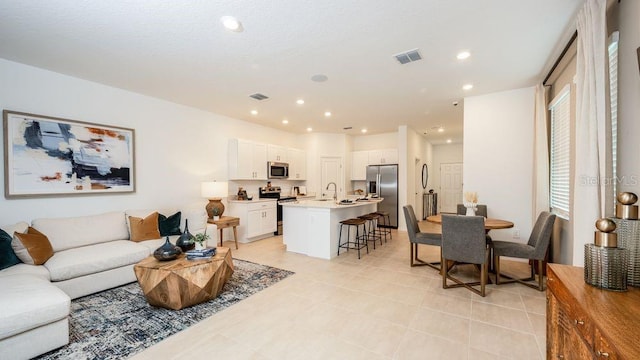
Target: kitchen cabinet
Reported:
point(277, 153)
point(384, 156)
point(247, 160)
point(359, 162)
point(297, 164)
point(585, 322)
point(258, 218)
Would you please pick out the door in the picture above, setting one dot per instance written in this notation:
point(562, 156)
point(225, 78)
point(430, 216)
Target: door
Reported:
point(450, 186)
point(417, 201)
point(389, 192)
point(331, 172)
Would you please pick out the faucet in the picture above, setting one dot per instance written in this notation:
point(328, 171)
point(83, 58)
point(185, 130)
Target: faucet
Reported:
point(335, 190)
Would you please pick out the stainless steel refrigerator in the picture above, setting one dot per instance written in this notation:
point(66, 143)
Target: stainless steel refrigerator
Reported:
point(382, 181)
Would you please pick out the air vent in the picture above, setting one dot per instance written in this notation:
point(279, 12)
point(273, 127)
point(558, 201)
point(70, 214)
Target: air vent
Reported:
point(258, 96)
point(408, 56)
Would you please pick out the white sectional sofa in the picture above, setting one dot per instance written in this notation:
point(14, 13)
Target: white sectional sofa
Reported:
point(91, 254)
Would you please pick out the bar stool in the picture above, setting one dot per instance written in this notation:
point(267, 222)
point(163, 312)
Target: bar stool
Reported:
point(356, 243)
point(372, 234)
point(385, 224)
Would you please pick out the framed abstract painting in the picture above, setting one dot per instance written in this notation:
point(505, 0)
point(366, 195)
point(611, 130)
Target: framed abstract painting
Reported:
point(48, 156)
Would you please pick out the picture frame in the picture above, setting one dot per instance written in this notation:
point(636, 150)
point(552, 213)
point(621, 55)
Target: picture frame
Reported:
point(47, 156)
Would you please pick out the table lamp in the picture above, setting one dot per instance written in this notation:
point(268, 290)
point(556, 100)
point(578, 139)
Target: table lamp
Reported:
point(214, 191)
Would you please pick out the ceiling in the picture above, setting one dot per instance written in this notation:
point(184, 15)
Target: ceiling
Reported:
point(179, 51)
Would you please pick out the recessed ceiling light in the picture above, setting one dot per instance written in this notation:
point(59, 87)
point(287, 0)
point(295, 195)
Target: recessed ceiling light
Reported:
point(467, 87)
point(363, 131)
point(285, 121)
point(299, 101)
point(319, 78)
point(254, 112)
point(327, 113)
point(231, 23)
point(309, 129)
point(440, 129)
point(463, 55)
point(448, 141)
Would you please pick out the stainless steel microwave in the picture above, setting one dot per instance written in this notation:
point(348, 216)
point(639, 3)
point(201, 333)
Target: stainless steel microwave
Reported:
point(277, 170)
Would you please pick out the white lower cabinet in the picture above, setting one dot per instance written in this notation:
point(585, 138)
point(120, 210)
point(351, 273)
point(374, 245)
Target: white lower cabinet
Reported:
point(258, 219)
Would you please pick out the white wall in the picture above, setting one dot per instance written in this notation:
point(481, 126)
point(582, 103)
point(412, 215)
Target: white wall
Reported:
point(375, 142)
point(176, 147)
point(498, 156)
point(442, 154)
point(318, 145)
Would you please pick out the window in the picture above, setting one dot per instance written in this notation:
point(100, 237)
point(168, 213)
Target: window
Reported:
point(559, 169)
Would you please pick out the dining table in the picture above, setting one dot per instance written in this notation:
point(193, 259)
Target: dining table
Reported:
point(489, 223)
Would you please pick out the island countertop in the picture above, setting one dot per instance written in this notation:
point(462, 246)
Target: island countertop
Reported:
point(329, 203)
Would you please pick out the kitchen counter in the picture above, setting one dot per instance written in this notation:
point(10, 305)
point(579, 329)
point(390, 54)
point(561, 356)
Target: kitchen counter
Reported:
point(254, 200)
point(311, 227)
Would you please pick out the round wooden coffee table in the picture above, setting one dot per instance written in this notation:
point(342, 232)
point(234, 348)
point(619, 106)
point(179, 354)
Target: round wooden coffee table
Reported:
point(179, 283)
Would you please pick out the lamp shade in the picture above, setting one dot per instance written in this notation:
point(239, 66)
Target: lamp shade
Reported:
point(214, 189)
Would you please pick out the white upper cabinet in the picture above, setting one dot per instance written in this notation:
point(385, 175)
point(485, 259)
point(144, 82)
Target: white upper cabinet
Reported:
point(277, 153)
point(384, 156)
point(297, 164)
point(359, 162)
point(247, 160)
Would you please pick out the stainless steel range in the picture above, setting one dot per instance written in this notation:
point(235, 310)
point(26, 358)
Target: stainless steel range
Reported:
point(275, 192)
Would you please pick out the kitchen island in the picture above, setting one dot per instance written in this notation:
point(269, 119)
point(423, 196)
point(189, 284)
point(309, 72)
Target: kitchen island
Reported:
point(311, 227)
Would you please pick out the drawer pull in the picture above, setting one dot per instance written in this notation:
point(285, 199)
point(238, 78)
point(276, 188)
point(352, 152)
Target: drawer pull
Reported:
point(602, 354)
point(578, 322)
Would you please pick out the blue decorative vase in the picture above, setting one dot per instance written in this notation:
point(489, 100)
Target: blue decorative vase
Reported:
point(186, 241)
point(167, 251)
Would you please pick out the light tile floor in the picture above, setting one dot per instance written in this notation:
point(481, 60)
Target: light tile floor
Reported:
point(377, 307)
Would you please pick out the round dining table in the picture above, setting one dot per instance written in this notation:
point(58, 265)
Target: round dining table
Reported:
point(489, 223)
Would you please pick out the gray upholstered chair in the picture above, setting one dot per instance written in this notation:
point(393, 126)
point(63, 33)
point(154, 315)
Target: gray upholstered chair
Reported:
point(464, 241)
point(481, 210)
point(417, 237)
point(535, 249)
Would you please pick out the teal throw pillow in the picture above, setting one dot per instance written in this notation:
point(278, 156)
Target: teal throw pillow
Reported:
point(7, 256)
point(169, 225)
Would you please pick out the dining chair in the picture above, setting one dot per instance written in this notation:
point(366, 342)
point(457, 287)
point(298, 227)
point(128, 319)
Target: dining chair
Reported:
point(417, 237)
point(481, 210)
point(534, 250)
point(464, 241)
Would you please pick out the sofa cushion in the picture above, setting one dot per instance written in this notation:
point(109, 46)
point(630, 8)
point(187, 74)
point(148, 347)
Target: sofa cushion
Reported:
point(24, 269)
point(169, 225)
point(32, 248)
point(92, 259)
point(197, 219)
point(144, 228)
point(28, 302)
point(8, 257)
point(72, 232)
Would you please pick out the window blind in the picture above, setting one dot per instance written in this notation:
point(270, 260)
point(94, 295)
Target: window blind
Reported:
point(560, 167)
point(613, 87)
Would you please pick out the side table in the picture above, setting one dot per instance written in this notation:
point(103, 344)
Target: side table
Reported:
point(226, 222)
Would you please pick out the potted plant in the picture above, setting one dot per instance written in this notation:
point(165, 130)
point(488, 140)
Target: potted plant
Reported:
point(201, 240)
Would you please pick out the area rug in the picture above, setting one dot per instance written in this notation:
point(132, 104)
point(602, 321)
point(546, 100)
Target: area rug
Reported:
point(117, 323)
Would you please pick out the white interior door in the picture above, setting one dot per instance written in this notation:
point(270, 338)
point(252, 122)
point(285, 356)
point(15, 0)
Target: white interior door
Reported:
point(450, 187)
point(417, 205)
point(331, 171)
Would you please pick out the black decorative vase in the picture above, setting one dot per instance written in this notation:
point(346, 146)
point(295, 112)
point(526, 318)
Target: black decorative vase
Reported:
point(186, 241)
point(167, 251)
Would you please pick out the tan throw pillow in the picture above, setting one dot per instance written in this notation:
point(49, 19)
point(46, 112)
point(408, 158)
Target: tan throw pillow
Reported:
point(144, 229)
point(33, 247)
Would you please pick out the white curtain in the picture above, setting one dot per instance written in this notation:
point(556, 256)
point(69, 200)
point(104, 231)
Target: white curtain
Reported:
point(590, 178)
point(540, 154)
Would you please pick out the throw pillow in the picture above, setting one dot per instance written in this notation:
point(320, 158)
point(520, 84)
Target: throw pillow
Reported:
point(169, 225)
point(8, 257)
point(32, 248)
point(144, 229)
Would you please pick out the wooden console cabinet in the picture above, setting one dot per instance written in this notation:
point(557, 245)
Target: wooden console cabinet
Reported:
point(584, 322)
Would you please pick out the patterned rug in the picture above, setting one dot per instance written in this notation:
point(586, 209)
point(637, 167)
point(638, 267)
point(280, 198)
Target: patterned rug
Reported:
point(117, 323)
